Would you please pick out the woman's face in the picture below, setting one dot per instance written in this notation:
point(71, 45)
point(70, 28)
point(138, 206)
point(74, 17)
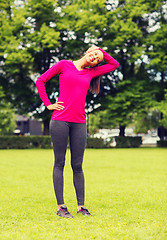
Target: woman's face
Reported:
point(94, 57)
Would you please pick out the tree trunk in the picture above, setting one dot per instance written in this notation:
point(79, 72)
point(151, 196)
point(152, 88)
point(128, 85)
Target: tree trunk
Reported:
point(46, 127)
point(123, 65)
point(162, 85)
point(162, 132)
point(87, 124)
point(161, 129)
point(121, 131)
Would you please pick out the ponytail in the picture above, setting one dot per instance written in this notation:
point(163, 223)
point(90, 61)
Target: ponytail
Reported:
point(94, 87)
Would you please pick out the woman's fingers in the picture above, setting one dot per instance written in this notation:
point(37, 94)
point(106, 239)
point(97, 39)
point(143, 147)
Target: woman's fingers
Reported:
point(56, 106)
point(93, 48)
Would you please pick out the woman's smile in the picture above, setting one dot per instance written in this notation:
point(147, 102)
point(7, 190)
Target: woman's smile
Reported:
point(91, 57)
point(94, 58)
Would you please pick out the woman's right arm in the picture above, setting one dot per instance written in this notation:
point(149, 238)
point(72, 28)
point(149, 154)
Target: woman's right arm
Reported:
point(111, 64)
point(40, 83)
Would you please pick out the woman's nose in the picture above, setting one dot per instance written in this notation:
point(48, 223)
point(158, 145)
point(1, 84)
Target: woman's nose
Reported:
point(96, 57)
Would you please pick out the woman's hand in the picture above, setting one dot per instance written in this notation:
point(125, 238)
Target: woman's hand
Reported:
point(93, 48)
point(56, 106)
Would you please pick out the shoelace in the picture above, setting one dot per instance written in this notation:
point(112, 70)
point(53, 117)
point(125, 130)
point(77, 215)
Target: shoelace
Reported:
point(84, 209)
point(87, 212)
point(65, 211)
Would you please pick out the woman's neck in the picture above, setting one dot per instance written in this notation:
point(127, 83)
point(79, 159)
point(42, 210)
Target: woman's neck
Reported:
point(81, 63)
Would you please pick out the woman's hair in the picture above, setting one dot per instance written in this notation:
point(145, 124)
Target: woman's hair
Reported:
point(95, 85)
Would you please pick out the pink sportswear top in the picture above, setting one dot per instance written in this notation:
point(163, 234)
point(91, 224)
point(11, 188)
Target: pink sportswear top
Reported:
point(73, 87)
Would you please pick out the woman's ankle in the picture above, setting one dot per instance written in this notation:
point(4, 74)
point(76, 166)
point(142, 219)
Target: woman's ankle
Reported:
point(79, 207)
point(59, 206)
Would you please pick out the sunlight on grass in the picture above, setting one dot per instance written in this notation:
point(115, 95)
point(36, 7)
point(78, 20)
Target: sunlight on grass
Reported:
point(125, 191)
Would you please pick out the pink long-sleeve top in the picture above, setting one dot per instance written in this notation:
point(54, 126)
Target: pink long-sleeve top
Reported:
point(73, 87)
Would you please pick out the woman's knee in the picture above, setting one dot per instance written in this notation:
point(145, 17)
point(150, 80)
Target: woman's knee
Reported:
point(77, 167)
point(59, 161)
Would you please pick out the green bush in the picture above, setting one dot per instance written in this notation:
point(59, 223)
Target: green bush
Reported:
point(128, 142)
point(96, 143)
point(24, 142)
point(162, 143)
point(27, 142)
point(41, 142)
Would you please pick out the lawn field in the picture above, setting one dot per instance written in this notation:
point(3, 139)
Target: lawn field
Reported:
point(126, 191)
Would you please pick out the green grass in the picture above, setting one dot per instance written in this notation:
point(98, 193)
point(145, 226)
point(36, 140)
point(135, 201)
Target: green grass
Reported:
point(126, 191)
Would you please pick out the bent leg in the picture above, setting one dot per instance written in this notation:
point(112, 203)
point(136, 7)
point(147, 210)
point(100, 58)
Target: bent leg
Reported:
point(59, 134)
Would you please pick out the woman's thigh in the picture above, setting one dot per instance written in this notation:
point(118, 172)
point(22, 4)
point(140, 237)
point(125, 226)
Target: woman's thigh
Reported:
point(77, 135)
point(59, 133)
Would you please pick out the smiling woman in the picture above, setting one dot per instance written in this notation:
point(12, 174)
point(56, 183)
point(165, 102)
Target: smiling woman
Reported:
point(92, 57)
point(69, 118)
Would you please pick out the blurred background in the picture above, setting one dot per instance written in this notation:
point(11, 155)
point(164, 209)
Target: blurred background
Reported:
point(34, 35)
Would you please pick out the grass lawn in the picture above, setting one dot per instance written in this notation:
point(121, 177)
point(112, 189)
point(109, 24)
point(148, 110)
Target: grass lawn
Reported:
point(126, 191)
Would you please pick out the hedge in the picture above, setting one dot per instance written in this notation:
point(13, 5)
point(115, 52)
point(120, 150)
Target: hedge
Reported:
point(162, 143)
point(27, 142)
point(128, 142)
point(24, 142)
point(96, 143)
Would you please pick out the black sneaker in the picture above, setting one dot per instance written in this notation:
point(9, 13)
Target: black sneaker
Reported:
point(84, 211)
point(63, 212)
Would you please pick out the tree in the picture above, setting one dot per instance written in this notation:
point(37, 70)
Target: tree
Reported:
point(128, 29)
point(40, 33)
point(44, 43)
point(7, 116)
point(16, 61)
point(145, 121)
point(27, 42)
point(162, 107)
point(98, 120)
point(157, 52)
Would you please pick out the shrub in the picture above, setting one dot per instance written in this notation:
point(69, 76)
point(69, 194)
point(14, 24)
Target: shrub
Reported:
point(128, 142)
point(96, 143)
point(27, 142)
point(24, 142)
point(162, 143)
point(41, 141)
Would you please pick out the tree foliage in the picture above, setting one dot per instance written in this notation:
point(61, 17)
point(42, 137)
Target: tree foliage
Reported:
point(162, 107)
point(129, 28)
point(7, 116)
point(37, 34)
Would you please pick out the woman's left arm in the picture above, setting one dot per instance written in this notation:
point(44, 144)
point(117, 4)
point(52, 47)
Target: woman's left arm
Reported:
point(111, 64)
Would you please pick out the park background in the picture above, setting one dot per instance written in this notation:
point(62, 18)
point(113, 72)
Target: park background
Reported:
point(37, 34)
point(126, 191)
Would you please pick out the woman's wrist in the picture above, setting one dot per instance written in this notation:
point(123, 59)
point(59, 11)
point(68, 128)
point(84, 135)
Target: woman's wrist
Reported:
point(107, 57)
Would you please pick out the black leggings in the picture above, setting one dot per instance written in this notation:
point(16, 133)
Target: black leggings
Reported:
point(60, 131)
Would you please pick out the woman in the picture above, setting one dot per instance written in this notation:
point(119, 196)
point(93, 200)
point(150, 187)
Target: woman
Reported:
point(69, 119)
